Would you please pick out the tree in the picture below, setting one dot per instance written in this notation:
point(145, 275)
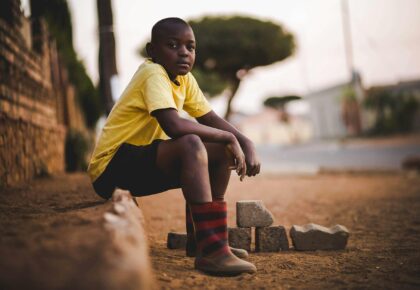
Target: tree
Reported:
point(231, 46)
point(107, 61)
point(228, 47)
point(279, 103)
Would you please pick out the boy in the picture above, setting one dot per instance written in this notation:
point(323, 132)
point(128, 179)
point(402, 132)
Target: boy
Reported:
point(146, 147)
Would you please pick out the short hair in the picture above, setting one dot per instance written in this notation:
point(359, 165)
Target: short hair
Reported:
point(163, 25)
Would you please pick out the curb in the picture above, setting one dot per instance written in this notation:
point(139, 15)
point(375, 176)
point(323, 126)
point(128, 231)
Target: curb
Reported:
point(127, 256)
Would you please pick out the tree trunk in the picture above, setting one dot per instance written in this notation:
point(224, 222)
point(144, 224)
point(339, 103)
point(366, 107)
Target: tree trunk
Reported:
point(107, 61)
point(235, 85)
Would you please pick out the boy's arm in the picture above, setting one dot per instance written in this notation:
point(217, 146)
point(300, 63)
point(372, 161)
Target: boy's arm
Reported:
point(175, 127)
point(211, 119)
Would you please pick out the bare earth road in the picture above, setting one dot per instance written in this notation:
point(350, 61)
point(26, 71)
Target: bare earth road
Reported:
point(382, 212)
point(43, 230)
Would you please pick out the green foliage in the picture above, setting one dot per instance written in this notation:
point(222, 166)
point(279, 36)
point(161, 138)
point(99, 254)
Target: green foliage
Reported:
point(395, 112)
point(348, 94)
point(76, 147)
point(279, 102)
point(228, 44)
point(211, 83)
point(88, 95)
point(142, 50)
point(57, 15)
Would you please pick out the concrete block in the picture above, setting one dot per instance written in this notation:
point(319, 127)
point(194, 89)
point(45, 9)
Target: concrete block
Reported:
point(252, 213)
point(240, 238)
point(312, 237)
point(271, 239)
point(176, 240)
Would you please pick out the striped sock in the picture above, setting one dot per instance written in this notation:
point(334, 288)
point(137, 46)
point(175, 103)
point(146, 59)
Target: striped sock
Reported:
point(210, 223)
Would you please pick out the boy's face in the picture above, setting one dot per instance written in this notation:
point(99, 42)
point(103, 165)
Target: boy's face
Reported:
point(175, 50)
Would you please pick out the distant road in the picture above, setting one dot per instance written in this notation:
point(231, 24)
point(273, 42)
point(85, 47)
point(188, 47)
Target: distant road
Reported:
point(310, 158)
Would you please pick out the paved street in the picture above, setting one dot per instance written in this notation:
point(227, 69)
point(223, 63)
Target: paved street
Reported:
point(333, 155)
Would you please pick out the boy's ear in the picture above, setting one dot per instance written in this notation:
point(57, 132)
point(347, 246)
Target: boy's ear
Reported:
point(149, 50)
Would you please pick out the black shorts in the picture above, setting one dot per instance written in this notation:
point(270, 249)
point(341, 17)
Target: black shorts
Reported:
point(134, 168)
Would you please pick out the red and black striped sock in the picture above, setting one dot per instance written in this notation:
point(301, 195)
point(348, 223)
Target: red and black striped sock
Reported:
point(210, 224)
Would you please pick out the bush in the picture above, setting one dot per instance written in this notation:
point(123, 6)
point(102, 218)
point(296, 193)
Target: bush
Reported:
point(76, 148)
point(395, 112)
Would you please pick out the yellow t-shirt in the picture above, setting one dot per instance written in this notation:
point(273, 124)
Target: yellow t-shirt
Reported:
point(130, 121)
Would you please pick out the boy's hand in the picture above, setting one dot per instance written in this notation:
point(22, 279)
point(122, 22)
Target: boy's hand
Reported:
point(239, 158)
point(252, 162)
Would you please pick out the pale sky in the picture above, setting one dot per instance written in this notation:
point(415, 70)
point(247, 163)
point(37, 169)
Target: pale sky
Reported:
point(386, 40)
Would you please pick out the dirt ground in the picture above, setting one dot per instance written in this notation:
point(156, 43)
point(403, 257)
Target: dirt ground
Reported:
point(44, 229)
point(51, 234)
point(382, 212)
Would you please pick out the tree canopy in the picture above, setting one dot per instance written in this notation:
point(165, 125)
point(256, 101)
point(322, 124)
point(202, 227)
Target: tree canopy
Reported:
point(280, 102)
point(228, 44)
point(228, 47)
point(231, 46)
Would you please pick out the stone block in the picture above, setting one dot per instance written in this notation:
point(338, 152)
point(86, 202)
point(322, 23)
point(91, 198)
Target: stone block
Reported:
point(252, 213)
point(271, 239)
point(176, 240)
point(312, 237)
point(240, 238)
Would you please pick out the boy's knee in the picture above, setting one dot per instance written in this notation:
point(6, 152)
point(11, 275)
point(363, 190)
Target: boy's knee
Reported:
point(192, 145)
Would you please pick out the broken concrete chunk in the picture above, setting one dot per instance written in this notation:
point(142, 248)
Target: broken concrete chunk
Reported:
point(271, 239)
point(252, 213)
point(312, 237)
point(176, 240)
point(240, 238)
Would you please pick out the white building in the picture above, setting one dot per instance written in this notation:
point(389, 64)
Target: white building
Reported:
point(327, 110)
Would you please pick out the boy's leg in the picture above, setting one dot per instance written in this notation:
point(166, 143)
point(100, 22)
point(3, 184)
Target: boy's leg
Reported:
point(213, 253)
point(202, 168)
point(220, 162)
point(191, 245)
point(186, 159)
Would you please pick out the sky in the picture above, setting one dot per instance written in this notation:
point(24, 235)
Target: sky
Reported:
point(385, 41)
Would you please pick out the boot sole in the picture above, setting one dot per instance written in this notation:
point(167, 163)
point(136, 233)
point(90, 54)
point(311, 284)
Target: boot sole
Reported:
point(240, 256)
point(219, 273)
point(213, 270)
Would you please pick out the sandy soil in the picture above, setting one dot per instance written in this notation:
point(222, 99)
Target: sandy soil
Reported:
point(381, 211)
point(51, 235)
point(48, 228)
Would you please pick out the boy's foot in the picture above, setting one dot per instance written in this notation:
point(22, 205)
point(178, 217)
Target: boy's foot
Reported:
point(213, 253)
point(240, 253)
point(224, 265)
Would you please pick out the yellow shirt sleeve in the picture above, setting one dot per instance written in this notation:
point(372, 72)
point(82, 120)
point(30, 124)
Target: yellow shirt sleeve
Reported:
point(196, 104)
point(157, 93)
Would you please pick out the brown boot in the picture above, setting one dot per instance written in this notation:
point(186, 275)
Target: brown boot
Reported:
point(213, 253)
point(191, 246)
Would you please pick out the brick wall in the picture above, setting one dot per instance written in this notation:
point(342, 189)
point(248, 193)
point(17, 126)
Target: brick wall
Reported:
point(37, 103)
